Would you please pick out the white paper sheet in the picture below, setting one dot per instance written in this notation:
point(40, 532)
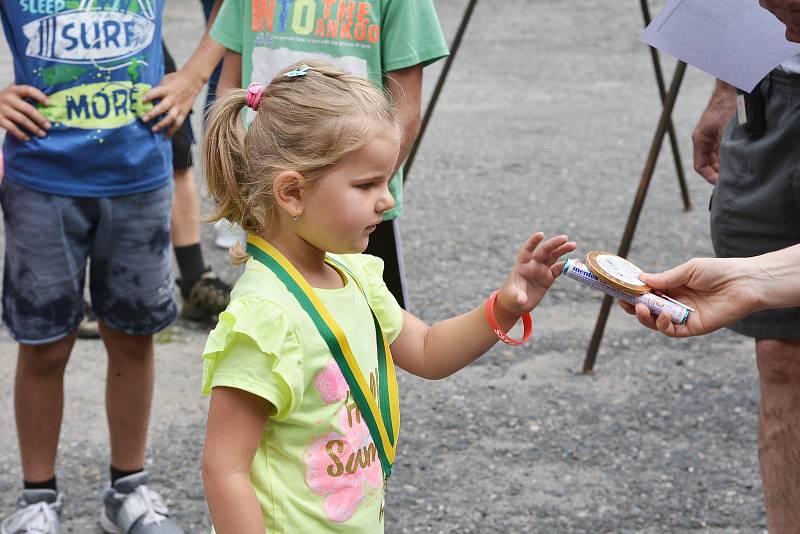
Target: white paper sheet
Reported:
point(736, 41)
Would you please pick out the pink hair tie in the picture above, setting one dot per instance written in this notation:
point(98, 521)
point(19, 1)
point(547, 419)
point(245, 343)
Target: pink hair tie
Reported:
point(254, 93)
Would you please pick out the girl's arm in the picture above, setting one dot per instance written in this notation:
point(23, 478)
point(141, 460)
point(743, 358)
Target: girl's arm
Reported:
point(236, 421)
point(231, 75)
point(440, 350)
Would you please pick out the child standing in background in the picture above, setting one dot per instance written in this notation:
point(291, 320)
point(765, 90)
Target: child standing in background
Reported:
point(385, 41)
point(304, 417)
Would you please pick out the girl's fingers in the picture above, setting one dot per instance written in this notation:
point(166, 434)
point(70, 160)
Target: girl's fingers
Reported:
point(557, 269)
point(532, 242)
point(545, 249)
point(566, 248)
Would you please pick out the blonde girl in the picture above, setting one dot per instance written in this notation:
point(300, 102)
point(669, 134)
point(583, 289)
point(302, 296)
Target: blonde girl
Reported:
point(303, 420)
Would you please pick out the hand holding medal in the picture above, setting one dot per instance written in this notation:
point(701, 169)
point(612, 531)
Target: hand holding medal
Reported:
point(620, 279)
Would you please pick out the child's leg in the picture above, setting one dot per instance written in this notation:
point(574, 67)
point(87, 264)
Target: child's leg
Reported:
point(129, 383)
point(39, 405)
point(133, 295)
point(45, 259)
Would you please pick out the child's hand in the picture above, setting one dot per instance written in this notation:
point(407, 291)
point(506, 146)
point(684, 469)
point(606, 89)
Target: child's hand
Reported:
point(535, 271)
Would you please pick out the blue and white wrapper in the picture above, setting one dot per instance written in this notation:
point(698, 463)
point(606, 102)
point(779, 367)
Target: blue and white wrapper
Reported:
point(656, 304)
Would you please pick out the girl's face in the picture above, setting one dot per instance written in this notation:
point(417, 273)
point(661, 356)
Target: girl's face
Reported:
point(343, 208)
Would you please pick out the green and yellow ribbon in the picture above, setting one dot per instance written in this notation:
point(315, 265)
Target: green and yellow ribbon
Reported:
point(383, 422)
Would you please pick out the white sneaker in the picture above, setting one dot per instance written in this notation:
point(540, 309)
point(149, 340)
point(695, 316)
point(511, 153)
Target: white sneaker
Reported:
point(38, 512)
point(226, 233)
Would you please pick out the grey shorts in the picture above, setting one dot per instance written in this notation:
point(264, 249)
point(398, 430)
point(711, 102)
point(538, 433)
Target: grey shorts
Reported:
point(48, 241)
point(755, 207)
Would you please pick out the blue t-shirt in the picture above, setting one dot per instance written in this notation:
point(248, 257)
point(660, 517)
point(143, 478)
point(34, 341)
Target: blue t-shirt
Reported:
point(95, 59)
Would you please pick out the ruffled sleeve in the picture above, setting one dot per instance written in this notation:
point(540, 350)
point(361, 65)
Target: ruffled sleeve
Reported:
point(389, 312)
point(254, 347)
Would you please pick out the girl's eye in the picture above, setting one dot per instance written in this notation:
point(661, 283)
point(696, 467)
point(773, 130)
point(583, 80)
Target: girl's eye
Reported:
point(366, 186)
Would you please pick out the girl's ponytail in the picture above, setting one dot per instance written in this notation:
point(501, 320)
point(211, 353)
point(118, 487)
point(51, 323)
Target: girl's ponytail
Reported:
point(223, 157)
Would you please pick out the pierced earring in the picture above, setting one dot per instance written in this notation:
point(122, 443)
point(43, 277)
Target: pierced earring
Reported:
point(295, 218)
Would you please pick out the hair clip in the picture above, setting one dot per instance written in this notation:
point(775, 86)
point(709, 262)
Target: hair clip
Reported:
point(299, 71)
point(254, 93)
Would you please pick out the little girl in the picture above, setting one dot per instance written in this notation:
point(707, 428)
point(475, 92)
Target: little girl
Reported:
point(304, 418)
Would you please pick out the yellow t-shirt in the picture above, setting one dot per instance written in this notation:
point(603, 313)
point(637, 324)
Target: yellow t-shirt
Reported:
point(316, 468)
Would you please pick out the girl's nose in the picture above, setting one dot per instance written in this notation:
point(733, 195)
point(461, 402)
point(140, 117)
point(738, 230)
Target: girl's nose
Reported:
point(386, 202)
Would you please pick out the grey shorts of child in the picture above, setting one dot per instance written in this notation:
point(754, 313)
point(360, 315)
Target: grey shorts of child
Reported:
point(49, 239)
point(755, 208)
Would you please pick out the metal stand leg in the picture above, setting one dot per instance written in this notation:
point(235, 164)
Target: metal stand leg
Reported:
point(673, 139)
point(636, 209)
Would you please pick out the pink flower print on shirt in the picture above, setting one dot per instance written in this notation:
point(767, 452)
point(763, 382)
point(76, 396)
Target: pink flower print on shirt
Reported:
point(331, 384)
point(338, 466)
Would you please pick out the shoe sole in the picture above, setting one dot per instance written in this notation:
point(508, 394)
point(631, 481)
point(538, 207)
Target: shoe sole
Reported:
point(107, 525)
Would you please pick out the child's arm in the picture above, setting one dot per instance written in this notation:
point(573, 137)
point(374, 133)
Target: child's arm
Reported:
point(406, 89)
point(236, 421)
point(440, 350)
point(231, 75)
point(178, 90)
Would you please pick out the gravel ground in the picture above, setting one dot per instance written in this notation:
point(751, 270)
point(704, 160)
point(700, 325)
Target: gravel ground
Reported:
point(544, 125)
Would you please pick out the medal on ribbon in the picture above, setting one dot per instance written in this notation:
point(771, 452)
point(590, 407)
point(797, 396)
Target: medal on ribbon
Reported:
point(382, 417)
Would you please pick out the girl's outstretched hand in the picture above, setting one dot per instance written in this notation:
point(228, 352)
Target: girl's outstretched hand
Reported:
point(536, 269)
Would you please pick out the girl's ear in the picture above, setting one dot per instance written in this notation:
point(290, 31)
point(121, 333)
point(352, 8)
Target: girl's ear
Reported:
point(290, 193)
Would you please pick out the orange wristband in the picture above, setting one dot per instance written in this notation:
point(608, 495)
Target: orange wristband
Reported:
point(527, 323)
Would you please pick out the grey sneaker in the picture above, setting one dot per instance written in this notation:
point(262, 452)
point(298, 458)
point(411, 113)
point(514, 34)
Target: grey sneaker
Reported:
point(38, 512)
point(130, 507)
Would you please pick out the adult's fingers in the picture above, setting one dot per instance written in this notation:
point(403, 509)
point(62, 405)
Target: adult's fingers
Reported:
point(176, 125)
point(675, 277)
point(627, 306)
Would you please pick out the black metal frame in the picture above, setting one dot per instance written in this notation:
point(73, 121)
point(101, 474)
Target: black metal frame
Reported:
point(665, 126)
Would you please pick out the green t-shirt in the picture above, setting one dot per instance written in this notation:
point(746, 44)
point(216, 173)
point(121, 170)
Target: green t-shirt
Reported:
point(316, 468)
point(360, 37)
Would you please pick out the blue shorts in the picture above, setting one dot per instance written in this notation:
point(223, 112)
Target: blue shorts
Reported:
point(48, 240)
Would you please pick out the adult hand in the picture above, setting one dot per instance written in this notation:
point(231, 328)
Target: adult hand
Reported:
point(16, 113)
point(533, 274)
point(177, 92)
point(788, 12)
point(707, 135)
point(717, 288)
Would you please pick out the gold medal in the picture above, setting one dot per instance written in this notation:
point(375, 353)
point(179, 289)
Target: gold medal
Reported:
point(617, 272)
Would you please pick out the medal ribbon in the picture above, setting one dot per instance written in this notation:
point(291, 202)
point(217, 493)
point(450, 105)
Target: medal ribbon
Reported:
point(384, 422)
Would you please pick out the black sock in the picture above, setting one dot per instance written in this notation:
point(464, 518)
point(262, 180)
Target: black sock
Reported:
point(47, 484)
point(117, 474)
point(191, 266)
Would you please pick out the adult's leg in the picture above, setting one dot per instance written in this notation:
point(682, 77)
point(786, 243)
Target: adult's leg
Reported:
point(779, 432)
point(185, 209)
point(129, 395)
point(39, 405)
